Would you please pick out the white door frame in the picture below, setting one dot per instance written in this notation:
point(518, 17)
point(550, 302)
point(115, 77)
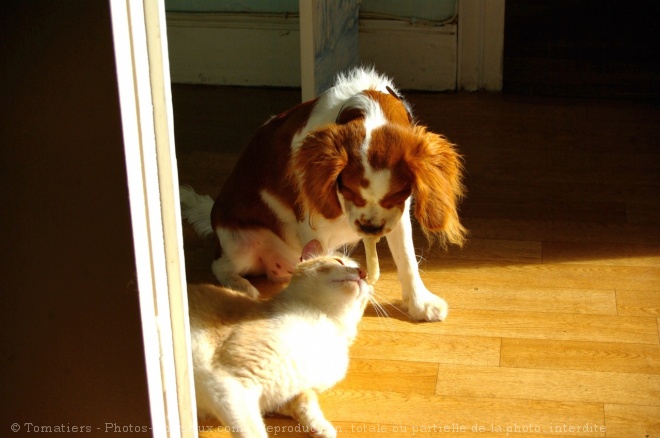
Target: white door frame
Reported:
point(480, 44)
point(142, 65)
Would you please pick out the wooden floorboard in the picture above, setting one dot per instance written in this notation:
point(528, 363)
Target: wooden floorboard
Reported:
point(531, 325)
point(425, 347)
point(552, 385)
point(553, 328)
point(580, 355)
point(461, 413)
point(624, 421)
point(638, 302)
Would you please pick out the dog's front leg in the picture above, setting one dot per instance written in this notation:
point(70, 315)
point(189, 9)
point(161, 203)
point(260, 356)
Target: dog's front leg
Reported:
point(422, 305)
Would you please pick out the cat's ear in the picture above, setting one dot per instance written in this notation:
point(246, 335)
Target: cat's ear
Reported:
point(311, 250)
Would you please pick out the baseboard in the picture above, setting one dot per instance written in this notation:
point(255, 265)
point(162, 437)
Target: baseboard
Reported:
point(264, 50)
point(418, 57)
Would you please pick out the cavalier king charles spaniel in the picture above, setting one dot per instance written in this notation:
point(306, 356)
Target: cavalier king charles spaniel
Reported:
point(348, 165)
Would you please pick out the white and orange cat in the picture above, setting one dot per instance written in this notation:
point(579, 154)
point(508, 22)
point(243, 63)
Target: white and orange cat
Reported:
point(253, 357)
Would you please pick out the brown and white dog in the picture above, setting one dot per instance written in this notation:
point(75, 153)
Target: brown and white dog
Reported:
point(346, 165)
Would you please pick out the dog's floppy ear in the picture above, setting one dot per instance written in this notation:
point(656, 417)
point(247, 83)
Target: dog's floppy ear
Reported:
point(316, 165)
point(436, 170)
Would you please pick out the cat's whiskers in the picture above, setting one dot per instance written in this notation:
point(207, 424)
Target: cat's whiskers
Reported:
point(382, 317)
point(347, 250)
point(381, 312)
point(378, 308)
point(383, 298)
point(376, 298)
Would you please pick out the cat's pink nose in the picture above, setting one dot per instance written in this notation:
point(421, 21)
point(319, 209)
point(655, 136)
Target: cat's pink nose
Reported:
point(362, 274)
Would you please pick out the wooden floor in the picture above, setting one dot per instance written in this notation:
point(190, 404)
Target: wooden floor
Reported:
point(554, 316)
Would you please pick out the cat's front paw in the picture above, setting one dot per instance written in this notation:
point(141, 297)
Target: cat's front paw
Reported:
point(323, 429)
point(425, 306)
point(232, 280)
point(240, 284)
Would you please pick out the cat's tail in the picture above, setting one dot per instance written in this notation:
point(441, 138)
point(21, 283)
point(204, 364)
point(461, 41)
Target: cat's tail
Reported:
point(197, 210)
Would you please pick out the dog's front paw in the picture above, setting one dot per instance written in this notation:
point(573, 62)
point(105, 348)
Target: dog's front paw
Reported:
point(424, 306)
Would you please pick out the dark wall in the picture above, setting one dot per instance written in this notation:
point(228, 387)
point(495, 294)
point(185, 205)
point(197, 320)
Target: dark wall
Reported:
point(590, 48)
point(70, 325)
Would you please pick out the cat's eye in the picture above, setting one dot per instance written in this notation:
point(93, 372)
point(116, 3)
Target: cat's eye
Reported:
point(340, 261)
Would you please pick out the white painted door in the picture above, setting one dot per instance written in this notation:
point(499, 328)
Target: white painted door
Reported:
point(328, 42)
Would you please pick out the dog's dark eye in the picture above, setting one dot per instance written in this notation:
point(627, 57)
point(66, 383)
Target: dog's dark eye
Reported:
point(395, 199)
point(349, 194)
point(353, 197)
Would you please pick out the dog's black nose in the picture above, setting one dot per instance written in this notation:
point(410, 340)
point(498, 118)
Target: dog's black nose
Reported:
point(368, 228)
